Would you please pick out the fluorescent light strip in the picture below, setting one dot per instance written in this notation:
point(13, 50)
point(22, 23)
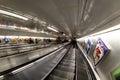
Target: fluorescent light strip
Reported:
point(52, 29)
point(15, 27)
point(117, 27)
point(12, 14)
point(107, 30)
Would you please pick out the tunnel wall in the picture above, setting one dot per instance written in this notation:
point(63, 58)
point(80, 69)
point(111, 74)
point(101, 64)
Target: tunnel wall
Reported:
point(112, 60)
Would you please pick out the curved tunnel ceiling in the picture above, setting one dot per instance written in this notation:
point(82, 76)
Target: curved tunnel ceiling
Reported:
point(75, 17)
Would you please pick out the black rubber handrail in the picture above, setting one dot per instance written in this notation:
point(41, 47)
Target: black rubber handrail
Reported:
point(88, 66)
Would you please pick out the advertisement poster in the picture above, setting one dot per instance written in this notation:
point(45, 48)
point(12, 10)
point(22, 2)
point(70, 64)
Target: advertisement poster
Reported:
point(82, 44)
point(100, 51)
point(116, 74)
point(88, 45)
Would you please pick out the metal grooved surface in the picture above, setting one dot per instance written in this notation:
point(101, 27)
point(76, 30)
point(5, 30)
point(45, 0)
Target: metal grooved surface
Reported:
point(70, 65)
point(65, 70)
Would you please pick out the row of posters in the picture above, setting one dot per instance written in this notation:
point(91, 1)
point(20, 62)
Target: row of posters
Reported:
point(99, 52)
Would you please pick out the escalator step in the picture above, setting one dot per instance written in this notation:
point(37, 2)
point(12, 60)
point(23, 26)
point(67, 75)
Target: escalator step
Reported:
point(67, 64)
point(71, 56)
point(66, 60)
point(66, 68)
point(53, 77)
point(63, 74)
point(70, 59)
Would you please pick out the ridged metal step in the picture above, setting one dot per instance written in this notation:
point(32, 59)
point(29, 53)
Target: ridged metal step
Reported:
point(71, 61)
point(66, 68)
point(67, 64)
point(63, 74)
point(70, 56)
point(53, 77)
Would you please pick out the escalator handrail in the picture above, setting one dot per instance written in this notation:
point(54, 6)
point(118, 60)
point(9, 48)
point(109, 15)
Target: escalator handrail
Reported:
point(93, 73)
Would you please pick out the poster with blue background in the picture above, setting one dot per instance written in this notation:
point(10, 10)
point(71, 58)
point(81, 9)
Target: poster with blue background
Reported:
point(88, 45)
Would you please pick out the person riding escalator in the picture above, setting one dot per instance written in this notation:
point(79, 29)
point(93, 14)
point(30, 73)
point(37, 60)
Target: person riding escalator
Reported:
point(74, 42)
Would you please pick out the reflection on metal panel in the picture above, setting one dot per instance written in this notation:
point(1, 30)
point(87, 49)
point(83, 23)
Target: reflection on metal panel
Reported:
point(4, 64)
point(21, 58)
point(18, 59)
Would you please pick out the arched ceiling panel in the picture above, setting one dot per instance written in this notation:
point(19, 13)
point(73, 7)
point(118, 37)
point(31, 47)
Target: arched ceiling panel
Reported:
point(75, 17)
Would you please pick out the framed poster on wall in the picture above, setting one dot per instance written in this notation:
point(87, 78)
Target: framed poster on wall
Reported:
point(88, 44)
point(100, 51)
point(82, 44)
point(115, 74)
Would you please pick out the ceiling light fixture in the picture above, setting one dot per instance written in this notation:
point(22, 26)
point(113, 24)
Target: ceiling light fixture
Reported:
point(114, 28)
point(52, 29)
point(107, 30)
point(13, 15)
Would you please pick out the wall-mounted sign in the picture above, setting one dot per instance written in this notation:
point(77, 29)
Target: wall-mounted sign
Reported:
point(81, 43)
point(116, 74)
point(100, 51)
point(88, 45)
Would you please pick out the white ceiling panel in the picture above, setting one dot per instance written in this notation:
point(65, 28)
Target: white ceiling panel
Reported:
point(76, 17)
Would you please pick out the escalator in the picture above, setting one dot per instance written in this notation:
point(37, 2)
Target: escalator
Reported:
point(81, 67)
point(39, 68)
point(73, 66)
point(65, 70)
point(67, 63)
